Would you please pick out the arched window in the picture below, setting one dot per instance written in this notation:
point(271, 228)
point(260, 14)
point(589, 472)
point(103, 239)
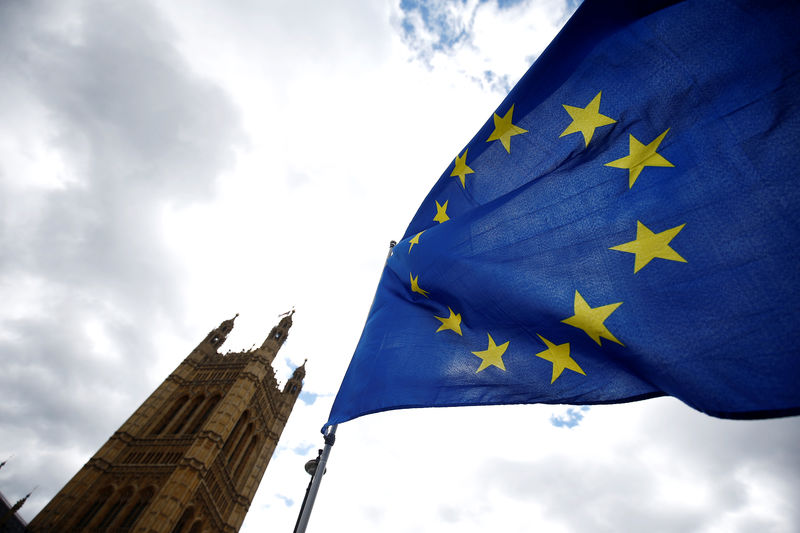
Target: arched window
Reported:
point(171, 414)
point(91, 511)
point(248, 454)
point(183, 522)
point(142, 499)
point(237, 451)
point(113, 511)
point(209, 407)
point(187, 414)
point(235, 434)
point(197, 527)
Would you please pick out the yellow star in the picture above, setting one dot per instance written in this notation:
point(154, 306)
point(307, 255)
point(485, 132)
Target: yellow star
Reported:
point(453, 322)
point(492, 356)
point(641, 156)
point(649, 245)
point(461, 169)
point(558, 354)
point(441, 213)
point(415, 285)
point(414, 240)
point(591, 319)
point(586, 119)
point(504, 129)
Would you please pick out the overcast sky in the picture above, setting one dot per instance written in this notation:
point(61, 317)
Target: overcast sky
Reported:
point(166, 165)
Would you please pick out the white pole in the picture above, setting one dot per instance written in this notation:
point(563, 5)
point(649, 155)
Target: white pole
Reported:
point(330, 438)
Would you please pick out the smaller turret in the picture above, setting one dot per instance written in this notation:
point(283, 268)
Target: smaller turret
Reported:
point(216, 337)
point(300, 371)
point(9, 515)
point(269, 348)
point(295, 383)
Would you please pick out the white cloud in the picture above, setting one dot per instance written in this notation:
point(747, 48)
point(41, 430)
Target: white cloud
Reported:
point(484, 42)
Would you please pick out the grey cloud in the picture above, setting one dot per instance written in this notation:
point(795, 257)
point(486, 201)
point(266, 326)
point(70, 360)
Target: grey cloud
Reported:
point(586, 497)
point(137, 130)
point(127, 105)
point(739, 454)
point(374, 514)
point(725, 460)
point(450, 514)
point(717, 443)
point(314, 31)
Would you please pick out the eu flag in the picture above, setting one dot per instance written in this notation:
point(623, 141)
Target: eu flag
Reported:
point(625, 225)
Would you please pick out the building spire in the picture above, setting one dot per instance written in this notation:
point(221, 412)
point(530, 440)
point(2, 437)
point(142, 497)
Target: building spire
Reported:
point(300, 371)
point(228, 324)
point(217, 336)
point(17, 506)
point(269, 348)
point(295, 383)
point(5, 461)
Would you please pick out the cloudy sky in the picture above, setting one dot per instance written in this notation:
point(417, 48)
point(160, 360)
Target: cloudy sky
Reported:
point(166, 165)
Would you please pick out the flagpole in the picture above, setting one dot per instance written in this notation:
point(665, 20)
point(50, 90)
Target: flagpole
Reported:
point(322, 460)
point(305, 512)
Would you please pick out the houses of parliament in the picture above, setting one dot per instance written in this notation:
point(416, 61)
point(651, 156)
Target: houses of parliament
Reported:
point(190, 458)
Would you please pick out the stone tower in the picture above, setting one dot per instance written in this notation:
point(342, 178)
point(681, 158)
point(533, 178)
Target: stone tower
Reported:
point(190, 459)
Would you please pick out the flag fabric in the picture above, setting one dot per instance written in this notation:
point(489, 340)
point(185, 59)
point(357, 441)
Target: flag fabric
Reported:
point(625, 225)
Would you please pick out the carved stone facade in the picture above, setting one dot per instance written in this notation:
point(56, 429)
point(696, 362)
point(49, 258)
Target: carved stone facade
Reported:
point(190, 459)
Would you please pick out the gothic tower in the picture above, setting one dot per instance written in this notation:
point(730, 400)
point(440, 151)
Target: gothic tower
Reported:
point(190, 459)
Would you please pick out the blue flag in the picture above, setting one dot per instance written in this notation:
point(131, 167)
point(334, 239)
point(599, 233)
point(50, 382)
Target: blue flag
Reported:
point(625, 225)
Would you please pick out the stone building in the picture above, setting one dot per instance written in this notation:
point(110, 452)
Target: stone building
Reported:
point(190, 459)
